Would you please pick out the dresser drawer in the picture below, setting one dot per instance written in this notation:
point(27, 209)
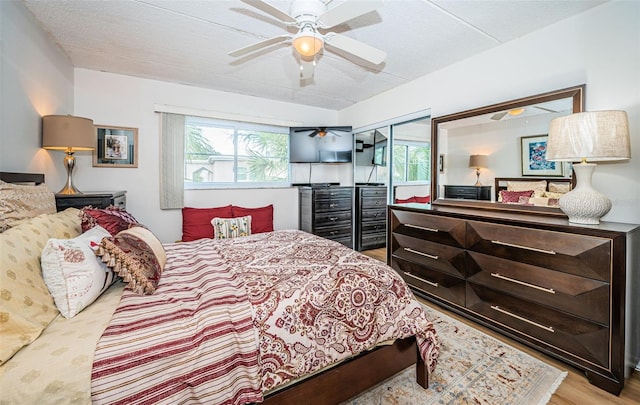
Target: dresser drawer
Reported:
point(449, 231)
point(580, 296)
point(373, 240)
point(336, 232)
point(587, 256)
point(374, 192)
point(374, 202)
point(370, 227)
point(331, 193)
point(333, 219)
point(561, 332)
point(337, 204)
point(434, 256)
point(375, 215)
point(425, 280)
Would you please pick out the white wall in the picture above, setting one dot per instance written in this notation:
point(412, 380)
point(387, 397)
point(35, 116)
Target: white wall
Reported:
point(111, 99)
point(36, 79)
point(599, 47)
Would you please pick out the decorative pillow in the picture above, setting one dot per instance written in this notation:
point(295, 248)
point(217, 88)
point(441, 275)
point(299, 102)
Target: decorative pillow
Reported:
point(261, 217)
point(514, 196)
point(559, 187)
point(550, 194)
point(19, 202)
point(72, 272)
point(112, 218)
point(526, 185)
point(196, 222)
point(137, 256)
point(26, 307)
point(537, 201)
point(422, 200)
point(405, 200)
point(227, 228)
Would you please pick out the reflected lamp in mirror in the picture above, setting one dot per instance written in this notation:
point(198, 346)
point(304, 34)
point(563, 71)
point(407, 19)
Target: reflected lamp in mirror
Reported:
point(70, 134)
point(588, 137)
point(478, 162)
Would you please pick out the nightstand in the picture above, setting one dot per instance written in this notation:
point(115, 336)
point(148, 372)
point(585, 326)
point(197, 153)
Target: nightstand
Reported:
point(97, 199)
point(468, 192)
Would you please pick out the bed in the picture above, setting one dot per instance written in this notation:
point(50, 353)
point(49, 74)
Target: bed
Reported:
point(272, 341)
point(532, 191)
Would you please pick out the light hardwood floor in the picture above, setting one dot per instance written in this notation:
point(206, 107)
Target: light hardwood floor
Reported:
point(575, 389)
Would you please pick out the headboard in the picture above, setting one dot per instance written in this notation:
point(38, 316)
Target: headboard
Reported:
point(11, 177)
point(501, 182)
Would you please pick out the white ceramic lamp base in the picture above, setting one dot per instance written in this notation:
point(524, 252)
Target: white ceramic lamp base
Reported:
point(584, 204)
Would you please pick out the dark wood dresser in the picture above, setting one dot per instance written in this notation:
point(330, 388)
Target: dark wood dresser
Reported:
point(468, 192)
point(371, 217)
point(327, 211)
point(557, 287)
point(97, 199)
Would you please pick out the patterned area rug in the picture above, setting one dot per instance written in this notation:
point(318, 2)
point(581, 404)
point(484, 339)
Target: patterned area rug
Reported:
point(473, 368)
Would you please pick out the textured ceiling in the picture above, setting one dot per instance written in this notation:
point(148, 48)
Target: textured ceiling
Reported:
point(187, 41)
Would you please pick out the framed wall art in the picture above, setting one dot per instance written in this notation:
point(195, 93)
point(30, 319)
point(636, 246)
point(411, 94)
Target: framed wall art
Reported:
point(115, 147)
point(533, 151)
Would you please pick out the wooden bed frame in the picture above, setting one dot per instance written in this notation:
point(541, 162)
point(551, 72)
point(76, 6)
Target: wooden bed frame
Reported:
point(335, 384)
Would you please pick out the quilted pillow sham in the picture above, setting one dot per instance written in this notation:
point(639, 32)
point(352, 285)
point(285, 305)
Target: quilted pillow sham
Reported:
point(112, 218)
point(19, 202)
point(73, 274)
point(137, 256)
point(227, 228)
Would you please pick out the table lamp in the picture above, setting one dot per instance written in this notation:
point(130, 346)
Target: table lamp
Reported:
point(478, 162)
point(71, 134)
point(582, 137)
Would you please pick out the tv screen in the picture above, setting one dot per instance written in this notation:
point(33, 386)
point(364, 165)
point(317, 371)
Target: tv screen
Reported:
point(320, 145)
point(379, 149)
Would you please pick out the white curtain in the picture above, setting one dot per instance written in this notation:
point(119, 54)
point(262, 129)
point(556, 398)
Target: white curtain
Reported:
point(172, 132)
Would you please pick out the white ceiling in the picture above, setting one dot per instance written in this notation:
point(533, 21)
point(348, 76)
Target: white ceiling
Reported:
point(187, 41)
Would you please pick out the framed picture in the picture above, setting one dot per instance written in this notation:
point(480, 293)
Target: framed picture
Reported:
point(115, 147)
point(533, 150)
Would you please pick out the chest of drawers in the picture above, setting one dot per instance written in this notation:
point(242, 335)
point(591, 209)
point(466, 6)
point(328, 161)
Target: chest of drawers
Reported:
point(327, 212)
point(371, 217)
point(468, 192)
point(556, 287)
point(97, 199)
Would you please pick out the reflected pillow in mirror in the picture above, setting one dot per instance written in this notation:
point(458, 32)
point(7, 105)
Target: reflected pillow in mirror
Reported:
point(526, 185)
point(513, 197)
point(559, 187)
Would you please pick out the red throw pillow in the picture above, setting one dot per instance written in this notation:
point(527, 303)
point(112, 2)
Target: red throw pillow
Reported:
point(261, 217)
point(422, 200)
point(113, 219)
point(404, 201)
point(514, 196)
point(196, 222)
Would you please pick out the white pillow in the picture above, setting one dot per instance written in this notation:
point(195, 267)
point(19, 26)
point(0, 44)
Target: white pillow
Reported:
point(227, 228)
point(73, 274)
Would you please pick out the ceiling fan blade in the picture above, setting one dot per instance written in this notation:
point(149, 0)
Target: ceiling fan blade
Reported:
point(271, 10)
point(346, 11)
point(259, 45)
point(314, 133)
point(306, 69)
point(498, 116)
point(354, 47)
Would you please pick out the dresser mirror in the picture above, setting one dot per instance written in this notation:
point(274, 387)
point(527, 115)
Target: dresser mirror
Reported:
point(473, 148)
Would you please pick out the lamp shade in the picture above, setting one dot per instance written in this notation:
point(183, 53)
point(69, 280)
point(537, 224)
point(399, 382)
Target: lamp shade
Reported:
point(66, 131)
point(478, 161)
point(592, 136)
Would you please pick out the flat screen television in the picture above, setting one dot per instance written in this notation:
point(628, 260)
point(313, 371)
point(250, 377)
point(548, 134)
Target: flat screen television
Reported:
point(320, 145)
point(379, 149)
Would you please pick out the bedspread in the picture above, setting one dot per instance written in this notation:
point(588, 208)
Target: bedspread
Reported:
point(292, 304)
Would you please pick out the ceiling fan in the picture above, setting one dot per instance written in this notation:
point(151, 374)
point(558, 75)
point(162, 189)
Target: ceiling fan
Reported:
point(323, 131)
point(517, 111)
point(311, 17)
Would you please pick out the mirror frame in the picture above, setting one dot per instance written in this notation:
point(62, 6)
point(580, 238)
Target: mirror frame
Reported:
point(577, 93)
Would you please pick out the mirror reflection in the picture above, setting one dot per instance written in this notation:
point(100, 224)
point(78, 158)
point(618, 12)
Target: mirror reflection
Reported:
point(371, 157)
point(496, 154)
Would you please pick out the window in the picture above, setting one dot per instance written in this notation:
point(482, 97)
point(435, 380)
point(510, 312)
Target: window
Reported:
point(234, 154)
point(411, 161)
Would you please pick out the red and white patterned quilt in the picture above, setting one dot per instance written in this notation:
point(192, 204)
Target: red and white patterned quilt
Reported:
point(234, 318)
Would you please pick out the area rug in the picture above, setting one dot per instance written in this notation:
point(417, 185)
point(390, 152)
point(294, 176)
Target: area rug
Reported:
point(473, 368)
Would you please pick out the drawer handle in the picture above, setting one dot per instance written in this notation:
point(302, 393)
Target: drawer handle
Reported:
point(513, 280)
point(549, 252)
point(333, 218)
point(421, 253)
point(421, 227)
point(431, 283)
point(332, 205)
point(547, 328)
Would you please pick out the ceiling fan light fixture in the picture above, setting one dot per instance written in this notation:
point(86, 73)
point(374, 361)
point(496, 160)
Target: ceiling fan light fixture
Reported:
point(516, 111)
point(308, 42)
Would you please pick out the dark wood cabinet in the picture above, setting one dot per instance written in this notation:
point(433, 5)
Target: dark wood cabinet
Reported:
point(556, 287)
point(468, 192)
point(327, 211)
point(371, 217)
point(97, 199)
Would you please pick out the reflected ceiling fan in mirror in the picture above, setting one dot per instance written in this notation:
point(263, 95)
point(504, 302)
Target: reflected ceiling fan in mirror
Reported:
point(312, 18)
point(518, 111)
point(321, 132)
